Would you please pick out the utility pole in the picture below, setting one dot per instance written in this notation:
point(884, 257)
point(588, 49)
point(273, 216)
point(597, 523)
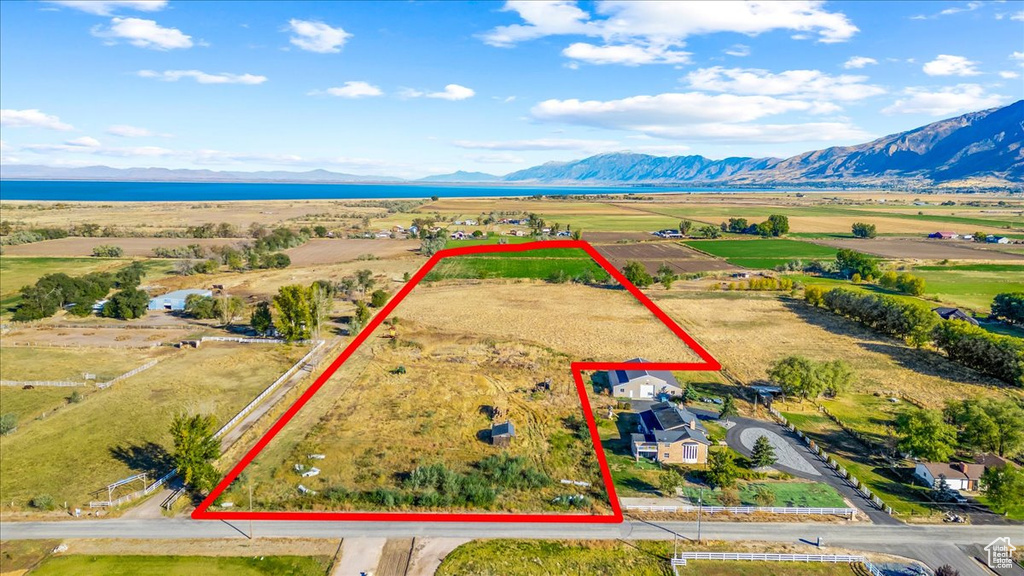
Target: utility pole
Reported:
point(250, 510)
point(700, 509)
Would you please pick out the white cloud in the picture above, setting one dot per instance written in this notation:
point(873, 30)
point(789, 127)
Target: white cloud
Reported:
point(84, 141)
point(143, 33)
point(662, 149)
point(354, 89)
point(945, 101)
point(536, 144)
point(859, 62)
point(450, 92)
point(32, 118)
point(627, 54)
point(203, 77)
point(1019, 57)
point(317, 36)
point(970, 6)
point(636, 33)
point(739, 50)
point(1018, 16)
point(1009, 74)
point(107, 7)
point(802, 84)
point(949, 65)
point(698, 116)
point(499, 158)
point(126, 131)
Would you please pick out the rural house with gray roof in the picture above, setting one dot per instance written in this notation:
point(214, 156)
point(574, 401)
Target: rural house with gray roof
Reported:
point(671, 435)
point(641, 383)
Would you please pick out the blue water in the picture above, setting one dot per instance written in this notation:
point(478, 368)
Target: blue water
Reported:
point(214, 191)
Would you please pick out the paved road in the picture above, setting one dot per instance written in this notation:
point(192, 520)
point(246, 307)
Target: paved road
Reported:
point(934, 544)
point(826, 474)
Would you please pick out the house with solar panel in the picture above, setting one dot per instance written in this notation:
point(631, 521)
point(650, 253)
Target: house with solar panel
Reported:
point(643, 384)
point(670, 435)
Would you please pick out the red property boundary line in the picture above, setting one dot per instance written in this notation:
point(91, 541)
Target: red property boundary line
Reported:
point(202, 512)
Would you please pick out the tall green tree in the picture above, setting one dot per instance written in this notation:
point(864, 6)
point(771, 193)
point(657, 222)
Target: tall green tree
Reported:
point(261, 319)
point(988, 425)
point(797, 376)
point(666, 276)
point(1009, 306)
point(127, 304)
point(728, 409)
point(722, 471)
point(924, 434)
point(637, 275)
point(864, 230)
point(780, 224)
point(195, 449)
point(763, 454)
point(294, 312)
point(1004, 487)
point(851, 262)
point(684, 227)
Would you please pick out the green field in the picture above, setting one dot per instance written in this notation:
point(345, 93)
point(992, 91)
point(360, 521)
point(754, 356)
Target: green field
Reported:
point(124, 429)
point(183, 566)
point(971, 286)
point(761, 253)
point(536, 264)
point(791, 494)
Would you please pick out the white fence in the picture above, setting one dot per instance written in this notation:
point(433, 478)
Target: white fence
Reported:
point(284, 377)
point(128, 374)
point(680, 558)
point(247, 340)
point(747, 510)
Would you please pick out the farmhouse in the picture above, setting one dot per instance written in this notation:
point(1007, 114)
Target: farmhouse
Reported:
point(670, 435)
point(943, 235)
point(175, 300)
point(502, 434)
point(954, 314)
point(958, 475)
point(642, 383)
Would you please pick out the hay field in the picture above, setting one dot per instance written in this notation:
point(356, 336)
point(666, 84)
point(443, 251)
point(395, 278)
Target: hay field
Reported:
point(123, 430)
point(747, 332)
point(70, 363)
point(471, 207)
point(320, 251)
point(923, 249)
point(133, 247)
point(679, 257)
point(587, 323)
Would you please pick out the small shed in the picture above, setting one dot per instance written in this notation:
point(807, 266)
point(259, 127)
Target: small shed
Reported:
point(502, 434)
point(175, 300)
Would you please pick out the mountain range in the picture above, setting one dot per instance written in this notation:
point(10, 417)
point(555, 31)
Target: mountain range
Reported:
point(978, 147)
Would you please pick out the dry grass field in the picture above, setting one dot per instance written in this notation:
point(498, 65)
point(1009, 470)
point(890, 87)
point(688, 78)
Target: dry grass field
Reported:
point(96, 333)
point(465, 346)
point(471, 207)
point(923, 249)
point(69, 363)
point(133, 247)
point(161, 215)
point(123, 430)
point(747, 332)
point(682, 259)
point(383, 425)
point(334, 251)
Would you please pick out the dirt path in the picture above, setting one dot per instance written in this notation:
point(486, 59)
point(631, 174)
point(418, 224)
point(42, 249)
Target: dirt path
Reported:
point(394, 560)
point(428, 553)
point(359, 555)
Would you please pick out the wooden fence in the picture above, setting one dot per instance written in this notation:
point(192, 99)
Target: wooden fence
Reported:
point(41, 383)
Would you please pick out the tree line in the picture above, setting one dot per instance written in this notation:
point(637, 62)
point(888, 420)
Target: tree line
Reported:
point(78, 295)
point(776, 225)
point(999, 356)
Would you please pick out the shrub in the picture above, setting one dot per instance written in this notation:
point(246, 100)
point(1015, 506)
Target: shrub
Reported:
point(378, 299)
point(863, 230)
point(43, 502)
point(107, 251)
point(8, 423)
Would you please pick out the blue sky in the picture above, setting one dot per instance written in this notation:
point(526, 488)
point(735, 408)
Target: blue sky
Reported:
point(418, 88)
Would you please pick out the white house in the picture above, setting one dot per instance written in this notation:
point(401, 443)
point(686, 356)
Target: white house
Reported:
point(642, 383)
point(959, 475)
point(992, 239)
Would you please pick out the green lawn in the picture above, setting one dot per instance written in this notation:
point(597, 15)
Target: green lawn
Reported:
point(787, 494)
point(536, 264)
point(183, 566)
point(762, 253)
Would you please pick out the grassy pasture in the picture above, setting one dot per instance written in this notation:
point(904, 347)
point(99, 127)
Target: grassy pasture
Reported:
point(760, 253)
point(83, 565)
point(124, 430)
point(973, 287)
point(69, 363)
